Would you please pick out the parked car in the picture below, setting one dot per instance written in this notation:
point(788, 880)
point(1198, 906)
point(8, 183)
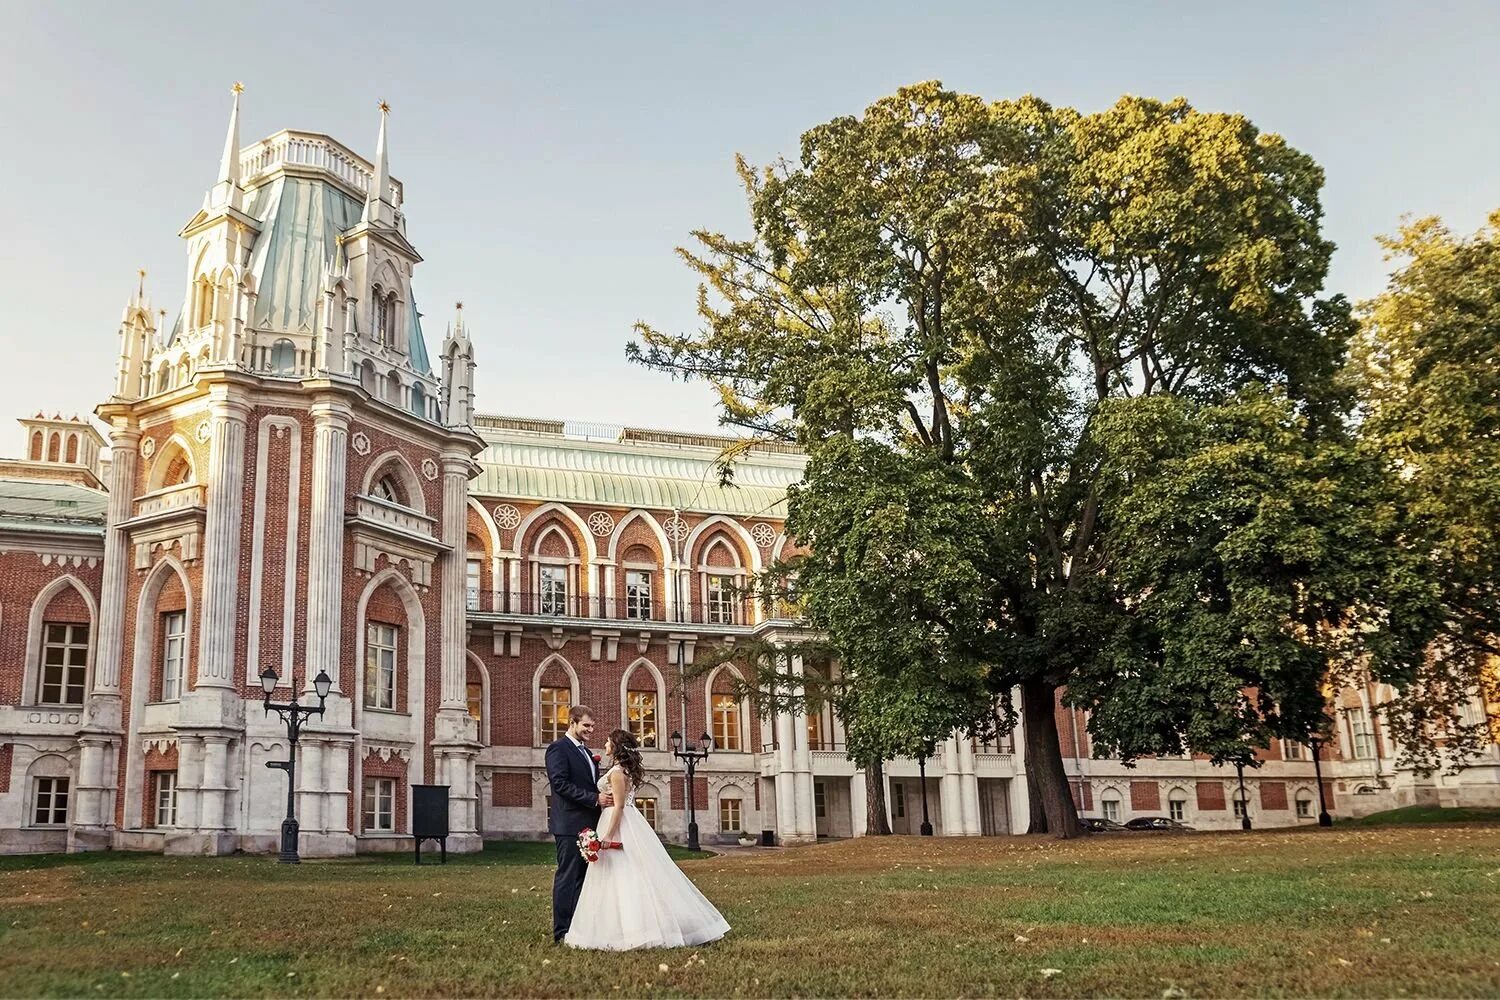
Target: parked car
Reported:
point(1155, 823)
point(1096, 824)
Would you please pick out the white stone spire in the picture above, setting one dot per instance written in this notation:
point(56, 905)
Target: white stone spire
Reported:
point(226, 189)
point(378, 208)
point(458, 373)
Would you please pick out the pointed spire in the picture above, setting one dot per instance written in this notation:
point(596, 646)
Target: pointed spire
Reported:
point(229, 164)
point(226, 189)
point(377, 202)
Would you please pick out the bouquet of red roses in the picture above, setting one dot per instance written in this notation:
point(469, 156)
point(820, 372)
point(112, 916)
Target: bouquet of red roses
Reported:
point(589, 845)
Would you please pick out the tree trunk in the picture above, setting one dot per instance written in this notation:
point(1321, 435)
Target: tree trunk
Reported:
point(876, 823)
point(1045, 777)
point(1038, 810)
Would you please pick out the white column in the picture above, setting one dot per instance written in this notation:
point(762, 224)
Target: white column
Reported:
point(336, 785)
point(213, 791)
point(189, 778)
point(221, 543)
point(949, 790)
point(807, 820)
point(325, 571)
point(969, 786)
point(310, 786)
point(456, 469)
point(513, 574)
point(859, 806)
point(124, 440)
point(786, 794)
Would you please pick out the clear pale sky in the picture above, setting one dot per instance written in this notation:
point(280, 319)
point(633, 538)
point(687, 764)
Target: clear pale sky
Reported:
point(554, 154)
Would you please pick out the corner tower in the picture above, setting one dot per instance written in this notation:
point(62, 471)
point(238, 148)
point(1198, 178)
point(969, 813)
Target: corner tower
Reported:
point(285, 493)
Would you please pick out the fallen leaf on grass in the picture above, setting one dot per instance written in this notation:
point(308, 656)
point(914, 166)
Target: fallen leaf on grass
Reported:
point(1049, 973)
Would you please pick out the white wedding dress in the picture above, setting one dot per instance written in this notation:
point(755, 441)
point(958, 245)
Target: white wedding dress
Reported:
point(637, 897)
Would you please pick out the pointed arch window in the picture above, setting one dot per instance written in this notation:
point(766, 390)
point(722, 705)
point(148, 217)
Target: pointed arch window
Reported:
point(387, 489)
point(36, 446)
point(283, 357)
point(204, 314)
point(65, 663)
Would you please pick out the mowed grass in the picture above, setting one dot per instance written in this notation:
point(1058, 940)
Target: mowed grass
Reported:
point(1388, 911)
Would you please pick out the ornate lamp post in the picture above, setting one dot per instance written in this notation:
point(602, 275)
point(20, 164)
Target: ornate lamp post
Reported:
point(293, 713)
point(691, 756)
point(1239, 767)
point(926, 828)
point(1315, 743)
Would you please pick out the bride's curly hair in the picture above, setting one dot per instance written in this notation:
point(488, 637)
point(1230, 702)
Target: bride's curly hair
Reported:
point(628, 755)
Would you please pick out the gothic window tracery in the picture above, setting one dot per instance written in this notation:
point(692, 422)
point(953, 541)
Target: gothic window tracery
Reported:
point(283, 357)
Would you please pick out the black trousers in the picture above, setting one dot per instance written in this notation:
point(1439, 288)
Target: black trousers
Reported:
point(566, 884)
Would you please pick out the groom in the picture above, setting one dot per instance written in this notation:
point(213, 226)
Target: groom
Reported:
point(576, 802)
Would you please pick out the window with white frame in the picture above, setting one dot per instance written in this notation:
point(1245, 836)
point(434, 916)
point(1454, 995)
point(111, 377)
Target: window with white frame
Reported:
point(1109, 806)
point(647, 807)
point(166, 798)
point(173, 654)
point(554, 590)
point(65, 663)
point(726, 722)
point(1177, 805)
point(387, 489)
point(49, 802)
point(1304, 802)
point(471, 584)
point(1292, 750)
point(640, 715)
point(729, 816)
point(380, 805)
point(554, 712)
point(380, 666)
point(720, 599)
point(637, 593)
point(1361, 736)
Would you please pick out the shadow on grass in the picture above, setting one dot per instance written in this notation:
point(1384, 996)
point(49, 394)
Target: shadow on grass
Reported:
point(128, 863)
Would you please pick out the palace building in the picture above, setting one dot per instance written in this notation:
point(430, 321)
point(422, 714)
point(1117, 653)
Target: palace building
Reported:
point(288, 481)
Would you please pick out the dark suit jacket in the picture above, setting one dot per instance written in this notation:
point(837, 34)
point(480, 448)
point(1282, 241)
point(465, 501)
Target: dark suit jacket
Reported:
point(575, 797)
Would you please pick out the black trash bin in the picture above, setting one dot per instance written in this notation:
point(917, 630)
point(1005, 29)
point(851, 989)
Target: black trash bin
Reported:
point(429, 817)
point(768, 838)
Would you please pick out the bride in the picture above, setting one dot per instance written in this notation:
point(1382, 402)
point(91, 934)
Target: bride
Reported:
point(637, 897)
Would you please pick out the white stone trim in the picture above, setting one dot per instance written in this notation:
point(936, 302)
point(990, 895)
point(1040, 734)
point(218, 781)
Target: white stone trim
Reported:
point(416, 499)
point(536, 692)
point(662, 706)
point(31, 672)
point(566, 513)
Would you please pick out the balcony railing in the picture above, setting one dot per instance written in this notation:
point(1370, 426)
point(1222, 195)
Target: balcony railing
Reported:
point(171, 500)
point(736, 611)
point(394, 516)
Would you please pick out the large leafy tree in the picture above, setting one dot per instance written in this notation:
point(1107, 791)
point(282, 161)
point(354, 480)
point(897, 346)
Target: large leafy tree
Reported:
point(964, 310)
point(1428, 366)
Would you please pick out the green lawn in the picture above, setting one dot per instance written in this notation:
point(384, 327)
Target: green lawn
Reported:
point(1380, 911)
point(1427, 814)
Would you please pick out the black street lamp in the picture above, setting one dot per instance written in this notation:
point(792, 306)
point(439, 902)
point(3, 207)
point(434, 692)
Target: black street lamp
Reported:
point(1316, 745)
point(1239, 767)
point(926, 828)
point(292, 713)
point(691, 756)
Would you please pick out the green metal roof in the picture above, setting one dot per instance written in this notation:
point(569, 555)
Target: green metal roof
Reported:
point(523, 464)
point(301, 220)
point(52, 506)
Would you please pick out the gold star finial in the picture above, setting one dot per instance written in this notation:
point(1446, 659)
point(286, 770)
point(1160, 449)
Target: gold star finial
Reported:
point(459, 306)
point(385, 108)
point(238, 88)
